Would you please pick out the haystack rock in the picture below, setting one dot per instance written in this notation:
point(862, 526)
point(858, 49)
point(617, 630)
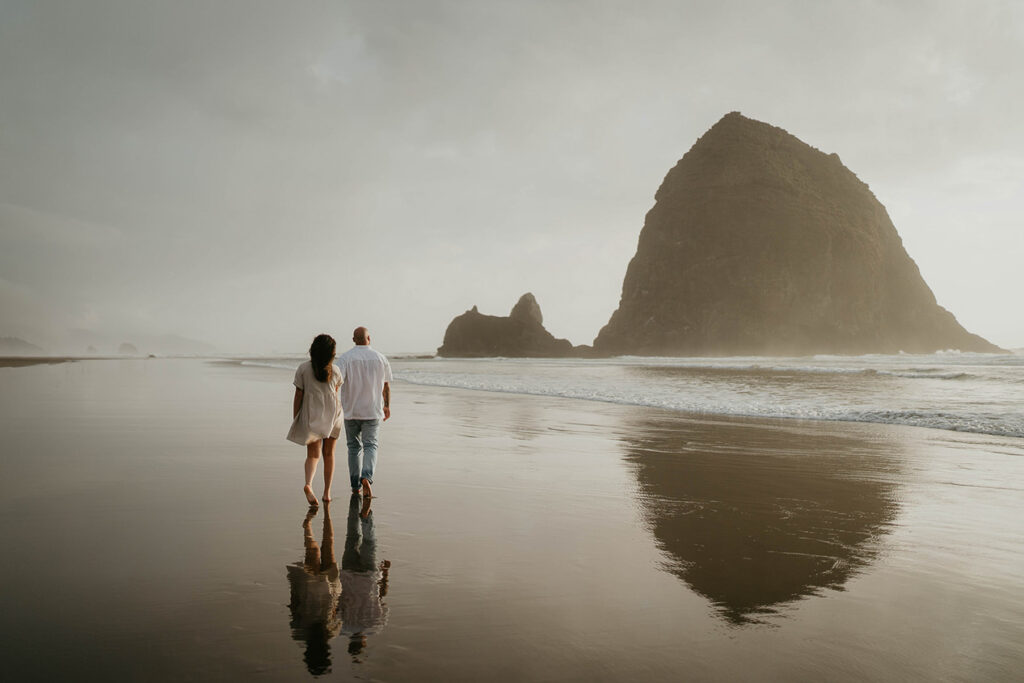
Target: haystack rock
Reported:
point(760, 244)
point(520, 335)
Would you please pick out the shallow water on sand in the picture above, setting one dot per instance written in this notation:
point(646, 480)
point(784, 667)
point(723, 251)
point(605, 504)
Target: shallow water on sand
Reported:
point(969, 392)
point(154, 528)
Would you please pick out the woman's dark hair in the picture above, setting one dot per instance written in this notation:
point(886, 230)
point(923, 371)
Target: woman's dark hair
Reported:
point(321, 353)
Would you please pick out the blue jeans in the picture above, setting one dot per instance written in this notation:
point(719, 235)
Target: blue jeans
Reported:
point(361, 437)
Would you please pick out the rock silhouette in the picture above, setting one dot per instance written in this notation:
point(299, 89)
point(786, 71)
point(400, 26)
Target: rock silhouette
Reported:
point(759, 244)
point(521, 334)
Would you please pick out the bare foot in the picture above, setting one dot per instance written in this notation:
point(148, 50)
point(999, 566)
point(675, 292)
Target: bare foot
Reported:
point(310, 498)
point(326, 497)
point(366, 489)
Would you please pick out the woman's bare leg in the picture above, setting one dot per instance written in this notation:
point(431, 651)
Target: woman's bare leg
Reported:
point(312, 456)
point(329, 444)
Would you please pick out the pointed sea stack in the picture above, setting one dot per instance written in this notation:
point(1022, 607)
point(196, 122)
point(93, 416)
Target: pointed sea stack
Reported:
point(519, 335)
point(759, 244)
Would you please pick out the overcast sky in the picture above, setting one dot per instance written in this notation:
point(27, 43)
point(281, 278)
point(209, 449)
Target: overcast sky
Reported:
point(252, 173)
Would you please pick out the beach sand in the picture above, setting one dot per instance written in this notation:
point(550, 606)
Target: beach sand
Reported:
point(152, 521)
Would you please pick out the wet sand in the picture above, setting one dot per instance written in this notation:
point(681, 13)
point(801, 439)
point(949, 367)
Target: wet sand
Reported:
point(154, 528)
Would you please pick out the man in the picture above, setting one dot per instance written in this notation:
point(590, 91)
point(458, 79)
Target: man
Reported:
point(366, 401)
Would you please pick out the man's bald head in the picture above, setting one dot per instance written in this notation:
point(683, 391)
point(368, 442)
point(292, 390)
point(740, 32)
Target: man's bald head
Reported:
point(361, 336)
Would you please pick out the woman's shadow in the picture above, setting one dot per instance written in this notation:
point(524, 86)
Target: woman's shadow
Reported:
point(315, 589)
point(326, 601)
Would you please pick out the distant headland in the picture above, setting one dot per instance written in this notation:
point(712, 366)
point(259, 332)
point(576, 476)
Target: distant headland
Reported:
point(757, 244)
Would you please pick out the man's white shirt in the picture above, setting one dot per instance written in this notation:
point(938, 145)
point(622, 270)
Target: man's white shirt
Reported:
point(363, 374)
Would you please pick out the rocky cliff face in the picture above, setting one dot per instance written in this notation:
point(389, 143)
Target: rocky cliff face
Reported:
point(520, 335)
point(760, 244)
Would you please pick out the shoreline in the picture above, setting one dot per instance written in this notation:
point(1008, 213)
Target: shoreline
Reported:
point(747, 366)
point(767, 420)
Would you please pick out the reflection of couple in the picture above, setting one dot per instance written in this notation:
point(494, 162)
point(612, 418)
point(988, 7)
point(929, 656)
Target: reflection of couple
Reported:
point(326, 601)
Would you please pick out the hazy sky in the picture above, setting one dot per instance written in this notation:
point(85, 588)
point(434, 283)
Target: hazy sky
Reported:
point(252, 173)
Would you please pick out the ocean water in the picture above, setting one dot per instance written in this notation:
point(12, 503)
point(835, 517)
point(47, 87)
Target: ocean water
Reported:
point(966, 392)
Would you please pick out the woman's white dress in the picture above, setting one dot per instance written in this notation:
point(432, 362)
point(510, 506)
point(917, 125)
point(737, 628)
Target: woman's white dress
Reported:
point(320, 415)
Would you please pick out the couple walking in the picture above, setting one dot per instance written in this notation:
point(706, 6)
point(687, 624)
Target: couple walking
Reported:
point(362, 379)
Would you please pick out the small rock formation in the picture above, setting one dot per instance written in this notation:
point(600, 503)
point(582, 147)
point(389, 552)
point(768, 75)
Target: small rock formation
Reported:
point(761, 244)
point(127, 349)
point(520, 335)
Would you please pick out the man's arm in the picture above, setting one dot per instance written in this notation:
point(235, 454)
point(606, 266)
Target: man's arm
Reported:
point(387, 400)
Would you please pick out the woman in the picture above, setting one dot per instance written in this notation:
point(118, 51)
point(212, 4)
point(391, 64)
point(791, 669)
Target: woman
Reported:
point(316, 412)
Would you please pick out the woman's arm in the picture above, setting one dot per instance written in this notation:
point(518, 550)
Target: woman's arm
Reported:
point(296, 402)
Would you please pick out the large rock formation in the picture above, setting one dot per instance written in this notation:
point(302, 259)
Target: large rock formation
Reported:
point(520, 335)
point(760, 244)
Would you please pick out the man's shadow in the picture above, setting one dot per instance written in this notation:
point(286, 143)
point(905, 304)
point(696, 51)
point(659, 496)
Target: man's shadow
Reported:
point(364, 581)
point(326, 601)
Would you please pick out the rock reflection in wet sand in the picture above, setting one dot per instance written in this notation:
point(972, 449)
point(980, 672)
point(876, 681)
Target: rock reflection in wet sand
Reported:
point(753, 518)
